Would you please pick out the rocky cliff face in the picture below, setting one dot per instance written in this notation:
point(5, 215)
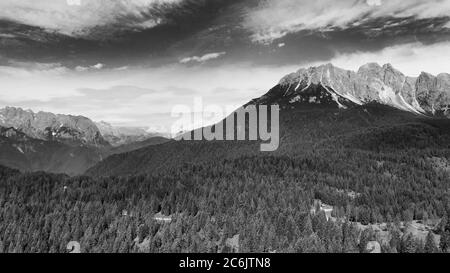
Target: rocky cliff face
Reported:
point(433, 93)
point(51, 127)
point(12, 133)
point(327, 84)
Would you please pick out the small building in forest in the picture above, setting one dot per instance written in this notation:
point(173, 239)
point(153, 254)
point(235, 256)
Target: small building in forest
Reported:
point(318, 206)
point(162, 218)
point(127, 213)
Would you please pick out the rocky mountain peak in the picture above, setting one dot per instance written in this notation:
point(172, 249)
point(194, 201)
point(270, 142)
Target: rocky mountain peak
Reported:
point(48, 126)
point(433, 93)
point(370, 68)
point(425, 95)
point(12, 133)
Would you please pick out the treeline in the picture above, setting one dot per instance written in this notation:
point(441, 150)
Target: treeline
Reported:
point(266, 200)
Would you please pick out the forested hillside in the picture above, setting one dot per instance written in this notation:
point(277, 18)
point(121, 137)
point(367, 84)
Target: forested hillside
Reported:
point(373, 165)
point(250, 204)
point(304, 129)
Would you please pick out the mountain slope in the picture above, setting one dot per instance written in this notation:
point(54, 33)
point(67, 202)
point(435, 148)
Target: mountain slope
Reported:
point(307, 129)
point(60, 143)
point(136, 145)
point(47, 142)
point(19, 151)
point(322, 108)
point(7, 172)
point(426, 94)
point(122, 136)
point(73, 130)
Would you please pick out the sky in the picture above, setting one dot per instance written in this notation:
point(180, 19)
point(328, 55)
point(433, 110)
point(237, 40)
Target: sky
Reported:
point(130, 62)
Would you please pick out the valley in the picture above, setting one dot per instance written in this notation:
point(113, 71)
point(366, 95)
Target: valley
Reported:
point(61, 143)
point(225, 135)
point(381, 170)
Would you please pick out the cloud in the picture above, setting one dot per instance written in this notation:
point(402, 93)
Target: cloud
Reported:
point(410, 59)
point(24, 69)
point(140, 96)
point(136, 96)
point(202, 59)
point(76, 17)
point(273, 19)
point(7, 36)
point(87, 68)
point(374, 2)
point(118, 93)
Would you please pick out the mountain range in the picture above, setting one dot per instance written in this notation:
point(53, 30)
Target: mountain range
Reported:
point(322, 108)
point(73, 130)
point(62, 143)
point(425, 94)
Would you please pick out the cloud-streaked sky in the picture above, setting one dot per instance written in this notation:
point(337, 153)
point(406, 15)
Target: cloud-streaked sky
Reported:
point(275, 19)
point(129, 62)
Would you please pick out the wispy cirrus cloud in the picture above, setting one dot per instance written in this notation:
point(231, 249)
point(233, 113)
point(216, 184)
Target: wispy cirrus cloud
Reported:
point(411, 59)
point(202, 59)
point(26, 69)
point(274, 19)
point(134, 96)
point(88, 68)
point(77, 17)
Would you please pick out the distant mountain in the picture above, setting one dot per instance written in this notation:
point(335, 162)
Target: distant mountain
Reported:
point(72, 130)
point(426, 94)
point(118, 136)
point(13, 134)
point(132, 146)
point(61, 143)
point(304, 130)
point(322, 108)
point(19, 151)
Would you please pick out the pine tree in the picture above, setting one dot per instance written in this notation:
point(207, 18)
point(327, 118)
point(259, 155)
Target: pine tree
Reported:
point(408, 244)
point(395, 239)
point(307, 228)
point(366, 236)
point(445, 242)
point(444, 227)
point(430, 244)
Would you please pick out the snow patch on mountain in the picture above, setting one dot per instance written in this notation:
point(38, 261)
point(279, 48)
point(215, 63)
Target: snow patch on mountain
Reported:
point(18, 148)
point(424, 95)
point(49, 126)
point(295, 99)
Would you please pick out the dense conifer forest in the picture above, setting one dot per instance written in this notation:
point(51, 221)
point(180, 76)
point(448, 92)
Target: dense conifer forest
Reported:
point(249, 204)
point(340, 181)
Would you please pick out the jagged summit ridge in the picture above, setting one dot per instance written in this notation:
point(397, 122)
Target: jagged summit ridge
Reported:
point(426, 94)
point(49, 126)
